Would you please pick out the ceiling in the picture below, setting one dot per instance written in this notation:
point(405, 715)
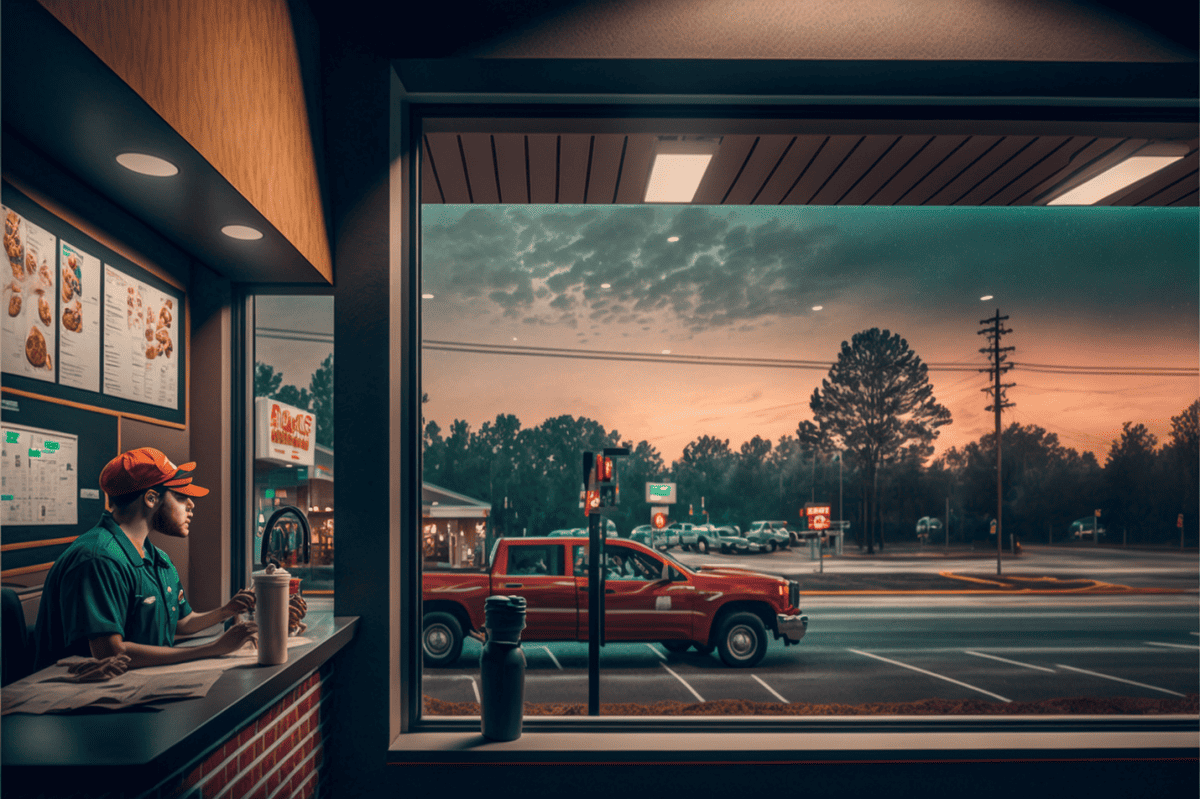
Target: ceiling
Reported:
point(807, 168)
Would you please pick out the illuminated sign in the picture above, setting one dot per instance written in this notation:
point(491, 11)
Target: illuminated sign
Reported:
point(660, 493)
point(819, 516)
point(284, 434)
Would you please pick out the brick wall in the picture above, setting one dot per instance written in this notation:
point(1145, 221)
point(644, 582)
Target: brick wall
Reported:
point(276, 756)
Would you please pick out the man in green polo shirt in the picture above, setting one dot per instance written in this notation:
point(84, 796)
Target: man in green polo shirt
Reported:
point(113, 593)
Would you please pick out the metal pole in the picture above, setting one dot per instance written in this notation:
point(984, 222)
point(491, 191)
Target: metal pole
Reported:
point(595, 610)
point(947, 524)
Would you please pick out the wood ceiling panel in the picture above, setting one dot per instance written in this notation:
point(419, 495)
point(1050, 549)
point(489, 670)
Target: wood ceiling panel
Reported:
point(917, 168)
point(606, 166)
point(510, 164)
point(636, 171)
point(430, 192)
point(1010, 173)
point(794, 162)
point(856, 166)
point(882, 173)
point(974, 148)
point(821, 169)
point(481, 167)
point(1051, 164)
point(1184, 187)
point(723, 170)
point(447, 161)
point(1188, 200)
point(1175, 181)
point(759, 166)
point(572, 167)
point(970, 178)
point(543, 168)
point(1093, 159)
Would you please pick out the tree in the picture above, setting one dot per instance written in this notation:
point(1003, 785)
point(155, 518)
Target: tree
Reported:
point(1130, 479)
point(321, 386)
point(266, 380)
point(877, 401)
point(1181, 464)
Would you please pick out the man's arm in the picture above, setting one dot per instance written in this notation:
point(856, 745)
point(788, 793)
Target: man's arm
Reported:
point(141, 655)
point(194, 622)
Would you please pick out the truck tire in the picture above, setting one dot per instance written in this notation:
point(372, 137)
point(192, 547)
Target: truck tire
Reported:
point(771, 546)
point(701, 546)
point(677, 647)
point(441, 640)
point(724, 549)
point(742, 640)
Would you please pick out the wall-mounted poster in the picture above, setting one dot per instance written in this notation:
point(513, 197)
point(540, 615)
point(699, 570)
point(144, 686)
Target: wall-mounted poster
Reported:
point(39, 476)
point(140, 331)
point(29, 329)
point(79, 315)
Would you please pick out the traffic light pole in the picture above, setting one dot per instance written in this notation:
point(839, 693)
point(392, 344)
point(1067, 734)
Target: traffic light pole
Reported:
point(595, 609)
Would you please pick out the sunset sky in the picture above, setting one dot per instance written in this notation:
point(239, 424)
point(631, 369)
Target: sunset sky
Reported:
point(1082, 287)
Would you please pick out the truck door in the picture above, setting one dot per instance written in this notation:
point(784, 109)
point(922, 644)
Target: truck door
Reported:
point(638, 604)
point(536, 572)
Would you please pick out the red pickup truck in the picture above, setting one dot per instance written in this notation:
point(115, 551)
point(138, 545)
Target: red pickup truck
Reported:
point(649, 596)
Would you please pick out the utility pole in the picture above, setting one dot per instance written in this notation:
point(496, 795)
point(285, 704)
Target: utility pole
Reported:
point(997, 355)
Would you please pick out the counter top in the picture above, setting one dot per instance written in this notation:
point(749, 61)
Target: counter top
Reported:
point(60, 747)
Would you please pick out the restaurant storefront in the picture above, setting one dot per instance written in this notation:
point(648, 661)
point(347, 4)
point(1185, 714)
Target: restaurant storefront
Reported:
point(309, 135)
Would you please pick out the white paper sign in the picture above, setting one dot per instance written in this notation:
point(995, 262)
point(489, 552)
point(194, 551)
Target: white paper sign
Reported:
point(78, 294)
point(141, 327)
point(39, 476)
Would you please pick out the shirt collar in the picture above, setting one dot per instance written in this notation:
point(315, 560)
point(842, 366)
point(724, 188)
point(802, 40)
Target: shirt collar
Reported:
point(109, 523)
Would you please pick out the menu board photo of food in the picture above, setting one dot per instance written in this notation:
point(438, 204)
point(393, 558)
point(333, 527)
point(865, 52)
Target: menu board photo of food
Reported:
point(79, 314)
point(29, 324)
point(140, 331)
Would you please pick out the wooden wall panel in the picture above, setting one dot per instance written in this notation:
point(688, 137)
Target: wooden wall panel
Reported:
point(636, 172)
point(721, 174)
point(606, 163)
point(822, 169)
point(1055, 161)
point(446, 159)
point(543, 168)
point(481, 167)
point(510, 161)
point(885, 169)
point(856, 167)
point(762, 162)
point(572, 174)
point(794, 163)
point(1011, 172)
point(226, 76)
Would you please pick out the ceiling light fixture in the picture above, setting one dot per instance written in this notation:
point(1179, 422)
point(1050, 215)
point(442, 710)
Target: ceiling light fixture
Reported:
point(145, 164)
point(985, 298)
point(673, 238)
point(427, 296)
point(818, 307)
point(677, 169)
point(242, 232)
point(1121, 176)
point(606, 285)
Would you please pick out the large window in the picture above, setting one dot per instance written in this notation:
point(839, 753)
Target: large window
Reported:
point(811, 381)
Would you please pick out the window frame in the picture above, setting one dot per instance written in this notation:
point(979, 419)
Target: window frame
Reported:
point(749, 739)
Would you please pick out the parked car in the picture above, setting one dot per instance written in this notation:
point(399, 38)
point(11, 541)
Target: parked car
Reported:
point(683, 531)
point(730, 540)
point(1082, 528)
point(650, 596)
point(780, 527)
point(610, 531)
point(768, 537)
point(645, 534)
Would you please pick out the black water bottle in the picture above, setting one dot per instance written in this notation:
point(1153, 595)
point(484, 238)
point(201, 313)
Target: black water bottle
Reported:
point(502, 668)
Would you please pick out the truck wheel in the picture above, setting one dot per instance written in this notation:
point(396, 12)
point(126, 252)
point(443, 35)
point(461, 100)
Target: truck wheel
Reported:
point(743, 640)
point(676, 646)
point(442, 640)
point(724, 549)
point(702, 546)
point(771, 545)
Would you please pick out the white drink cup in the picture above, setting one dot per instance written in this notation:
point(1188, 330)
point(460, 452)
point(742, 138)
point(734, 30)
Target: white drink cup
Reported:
point(271, 614)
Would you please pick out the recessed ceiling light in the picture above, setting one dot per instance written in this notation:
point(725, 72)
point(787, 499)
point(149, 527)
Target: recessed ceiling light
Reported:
point(606, 285)
point(666, 352)
point(818, 307)
point(1112, 180)
point(145, 164)
point(673, 238)
point(427, 296)
point(985, 298)
point(677, 169)
point(242, 232)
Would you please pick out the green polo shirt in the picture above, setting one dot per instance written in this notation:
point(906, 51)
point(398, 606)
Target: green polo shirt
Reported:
point(100, 585)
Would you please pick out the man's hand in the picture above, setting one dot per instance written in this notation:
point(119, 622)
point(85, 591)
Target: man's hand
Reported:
point(235, 638)
point(241, 602)
point(99, 670)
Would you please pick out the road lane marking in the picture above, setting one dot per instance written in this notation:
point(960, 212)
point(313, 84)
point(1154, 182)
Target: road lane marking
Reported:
point(769, 688)
point(1118, 679)
point(475, 688)
point(551, 654)
point(931, 674)
point(685, 682)
point(1173, 646)
point(1006, 660)
point(655, 651)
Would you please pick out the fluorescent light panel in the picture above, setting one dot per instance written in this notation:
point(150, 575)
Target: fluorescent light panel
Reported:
point(1112, 180)
point(677, 169)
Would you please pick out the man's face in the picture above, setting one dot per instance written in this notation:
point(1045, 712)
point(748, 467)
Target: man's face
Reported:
point(172, 514)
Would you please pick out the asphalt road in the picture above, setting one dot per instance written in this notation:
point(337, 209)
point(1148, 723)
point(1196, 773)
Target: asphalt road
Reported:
point(909, 645)
point(895, 649)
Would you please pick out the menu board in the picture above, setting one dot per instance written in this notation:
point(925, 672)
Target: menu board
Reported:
point(140, 331)
point(79, 312)
point(39, 476)
point(29, 329)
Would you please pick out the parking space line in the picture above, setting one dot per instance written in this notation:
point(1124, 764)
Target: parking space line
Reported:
point(1119, 679)
point(931, 674)
point(551, 654)
point(655, 651)
point(1006, 660)
point(475, 688)
point(769, 688)
point(685, 682)
point(1173, 646)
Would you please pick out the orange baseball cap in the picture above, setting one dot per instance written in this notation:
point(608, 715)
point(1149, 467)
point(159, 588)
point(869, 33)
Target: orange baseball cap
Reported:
point(139, 469)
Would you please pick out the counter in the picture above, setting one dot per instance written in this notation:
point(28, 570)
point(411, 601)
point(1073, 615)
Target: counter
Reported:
point(227, 736)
